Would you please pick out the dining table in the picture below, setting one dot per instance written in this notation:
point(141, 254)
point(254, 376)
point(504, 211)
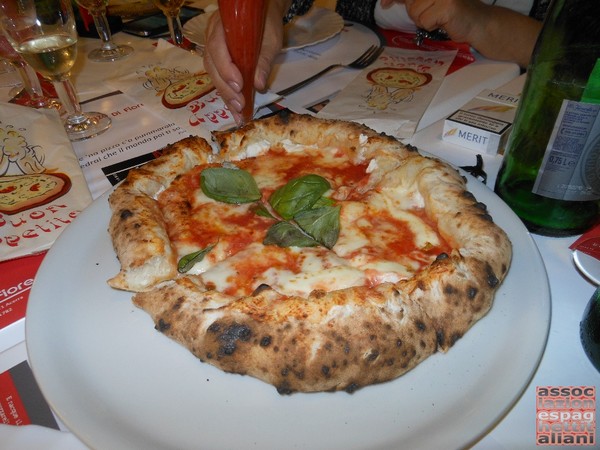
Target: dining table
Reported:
point(490, 402)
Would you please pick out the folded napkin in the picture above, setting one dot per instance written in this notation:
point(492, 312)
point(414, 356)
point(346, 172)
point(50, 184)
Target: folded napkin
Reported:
point(168, 64)
point(42, 187)
point(392, 94)
point(589, 243)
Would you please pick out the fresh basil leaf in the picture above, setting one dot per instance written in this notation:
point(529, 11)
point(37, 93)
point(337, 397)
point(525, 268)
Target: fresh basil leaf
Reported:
point(188, 261)
point(322, 224)
point(298, 195)
point(261, 210)
point(229, 185)
point(323, 201)
point(285, 234)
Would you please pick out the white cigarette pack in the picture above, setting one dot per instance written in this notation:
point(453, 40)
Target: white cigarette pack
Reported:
point(484, 123)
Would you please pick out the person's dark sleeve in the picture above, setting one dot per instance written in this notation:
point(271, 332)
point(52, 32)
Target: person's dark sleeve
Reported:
point(362, 11)
point(298, 8)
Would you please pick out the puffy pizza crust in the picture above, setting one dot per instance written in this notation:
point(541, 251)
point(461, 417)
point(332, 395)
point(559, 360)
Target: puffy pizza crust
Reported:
point(335, 340)
point(137, 227)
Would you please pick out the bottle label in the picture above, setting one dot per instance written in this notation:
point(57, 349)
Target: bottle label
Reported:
point(570, 168)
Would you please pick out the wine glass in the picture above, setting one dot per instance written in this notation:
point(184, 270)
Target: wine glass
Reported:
point(43, 32)
point(243, 22)
point(109, 51)
point(31, 84)
point(170, 9)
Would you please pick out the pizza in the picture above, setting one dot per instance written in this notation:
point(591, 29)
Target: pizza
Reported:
point(21, 192)
point(315, 255)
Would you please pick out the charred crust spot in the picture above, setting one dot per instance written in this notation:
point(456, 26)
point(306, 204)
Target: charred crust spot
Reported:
point(261, 288)
point(325, 370)
point(265, 341)
point(389, 362)
point(449, 289)
point(441, 257)
point(328, 346)
point(230, 337)
point(125, 214)
point(372, 337)
point(411, 148)
point(352, 388)
point(455, 337)
point(468, 194)
point(162, 326)
point(178, 303)
point(214, 327)
point(372, 356)
point(285, 371)
point(284, 389)
point(472, 292)
point(137, 225)
point(440, 337)
point(346, 348)
point(487, 218)
point(209, 355)
point(492, 279)
point(398, 342)
point(420, 325)
point(422, 344)
point(481, 206)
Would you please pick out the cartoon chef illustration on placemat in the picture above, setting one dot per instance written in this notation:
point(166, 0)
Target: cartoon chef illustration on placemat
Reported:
point(394, 85)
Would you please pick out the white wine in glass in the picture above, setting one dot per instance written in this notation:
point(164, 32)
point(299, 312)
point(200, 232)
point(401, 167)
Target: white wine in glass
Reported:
point(31, 84)
point(171, 9)
point(109, 51)
point(43, 32)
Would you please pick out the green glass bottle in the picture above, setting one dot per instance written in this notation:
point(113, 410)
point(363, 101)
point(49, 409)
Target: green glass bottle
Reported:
point(550, 175)
point(590, 329)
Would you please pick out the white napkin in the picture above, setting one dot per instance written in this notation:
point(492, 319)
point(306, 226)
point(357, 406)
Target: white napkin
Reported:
point(392, 94)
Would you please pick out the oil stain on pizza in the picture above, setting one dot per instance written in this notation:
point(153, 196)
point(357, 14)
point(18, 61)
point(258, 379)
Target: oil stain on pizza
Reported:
point(315, 255)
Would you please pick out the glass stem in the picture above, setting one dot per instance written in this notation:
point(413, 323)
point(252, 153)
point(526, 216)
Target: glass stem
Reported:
point(103, 28)
point(175, 29)
point(31, 82)
point(68, 98)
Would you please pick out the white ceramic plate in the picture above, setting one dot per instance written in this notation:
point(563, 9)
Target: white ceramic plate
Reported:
point(118, 383)
point(318, 25)
point(588, 265)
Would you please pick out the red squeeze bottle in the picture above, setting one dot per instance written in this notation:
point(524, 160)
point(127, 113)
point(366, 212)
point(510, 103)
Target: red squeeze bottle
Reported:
point(244, 21)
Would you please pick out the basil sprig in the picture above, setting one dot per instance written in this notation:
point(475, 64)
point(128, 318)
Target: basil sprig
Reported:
point(188, 261)
point(309, 218)
point(298, 195)
point(229, 185)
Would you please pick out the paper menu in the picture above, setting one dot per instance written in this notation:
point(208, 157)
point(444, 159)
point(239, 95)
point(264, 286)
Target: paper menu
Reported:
point(42, 187)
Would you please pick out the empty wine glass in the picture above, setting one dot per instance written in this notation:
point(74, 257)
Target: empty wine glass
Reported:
point(109, 51)
point(43, 32)
point(171, 9)
point(31, 84)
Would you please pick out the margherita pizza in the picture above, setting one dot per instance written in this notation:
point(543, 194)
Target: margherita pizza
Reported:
point(315, 255)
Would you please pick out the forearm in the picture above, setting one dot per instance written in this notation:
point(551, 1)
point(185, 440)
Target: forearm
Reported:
point(504, 35)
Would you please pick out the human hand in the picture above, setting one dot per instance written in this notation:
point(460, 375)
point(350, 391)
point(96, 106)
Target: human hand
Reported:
point(458, 18)
point(218, 63)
